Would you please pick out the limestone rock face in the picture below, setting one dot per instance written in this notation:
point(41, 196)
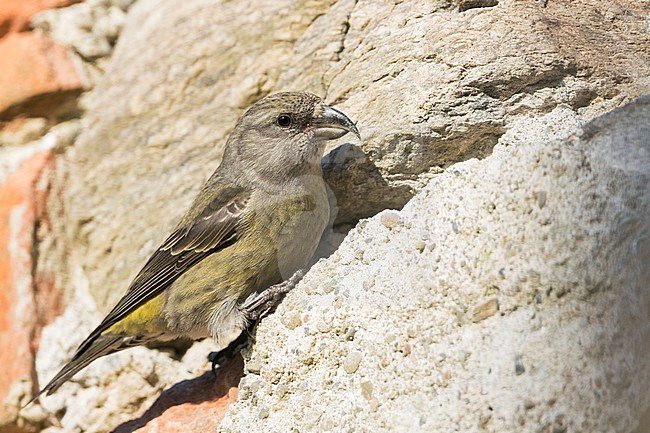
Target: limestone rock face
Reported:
point(29, 293)
point(34, 84)
point(429, 83)
point(89, 30)
point(509, 295)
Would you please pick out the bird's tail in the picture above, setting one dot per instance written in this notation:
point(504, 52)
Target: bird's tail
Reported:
point(101, 346)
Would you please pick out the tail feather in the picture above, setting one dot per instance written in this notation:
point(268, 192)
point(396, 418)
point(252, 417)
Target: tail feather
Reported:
point(101, 346)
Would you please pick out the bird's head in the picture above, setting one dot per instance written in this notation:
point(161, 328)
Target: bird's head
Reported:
point(286, 133)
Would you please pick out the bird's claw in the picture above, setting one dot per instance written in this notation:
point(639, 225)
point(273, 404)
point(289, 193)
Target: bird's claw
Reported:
point(258, 307)
point(222, 356)
point(254, 309)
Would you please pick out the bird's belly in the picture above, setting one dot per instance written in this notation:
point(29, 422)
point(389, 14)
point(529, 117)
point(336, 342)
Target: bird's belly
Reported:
point(276, 245)
point(191, 300)
point(302, 225)
point(297, 242)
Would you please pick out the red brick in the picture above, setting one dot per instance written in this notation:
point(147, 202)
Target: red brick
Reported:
point(15, 14)
point(36, 76)
point(21, 208)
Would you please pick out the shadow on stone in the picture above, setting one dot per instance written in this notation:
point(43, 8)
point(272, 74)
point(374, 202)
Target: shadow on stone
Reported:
point(204, 397)
point(350, 174)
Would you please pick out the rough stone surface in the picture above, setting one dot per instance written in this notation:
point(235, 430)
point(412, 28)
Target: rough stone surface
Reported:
point(569, 349)
point(137, 390)
point(89, 29)
point(21, 131)
point(38, 82)
point(37, 77)
point(15, 15)
point(26, 303)
point(192, 406)
point(432, 83)
point(429, 85)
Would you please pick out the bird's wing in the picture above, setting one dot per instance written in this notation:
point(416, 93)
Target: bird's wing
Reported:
point(212, 229)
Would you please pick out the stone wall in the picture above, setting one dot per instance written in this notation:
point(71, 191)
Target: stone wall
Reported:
point(112, 113)
point(509, 295)
point(41, 81)
point(37, 81)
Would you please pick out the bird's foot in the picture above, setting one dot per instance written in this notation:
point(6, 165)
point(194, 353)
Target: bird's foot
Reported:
point(229, 352)
point(259, 306)
point(254, 309)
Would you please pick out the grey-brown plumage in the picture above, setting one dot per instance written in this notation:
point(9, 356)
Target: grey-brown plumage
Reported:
point(257, 220)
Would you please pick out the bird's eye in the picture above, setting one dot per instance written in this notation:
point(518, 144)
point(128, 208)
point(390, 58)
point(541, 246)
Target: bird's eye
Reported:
point(284, 120)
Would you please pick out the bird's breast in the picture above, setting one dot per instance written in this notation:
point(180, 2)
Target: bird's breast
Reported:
point(294, 225)
point(278, 236)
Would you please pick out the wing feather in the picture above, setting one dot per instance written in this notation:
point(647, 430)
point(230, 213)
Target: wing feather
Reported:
point(210, 231)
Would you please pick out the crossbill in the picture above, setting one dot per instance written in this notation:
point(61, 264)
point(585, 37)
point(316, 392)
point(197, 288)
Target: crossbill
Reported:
point(256, 221)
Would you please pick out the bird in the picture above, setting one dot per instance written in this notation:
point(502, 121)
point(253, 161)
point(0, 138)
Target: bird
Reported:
point(255, 223)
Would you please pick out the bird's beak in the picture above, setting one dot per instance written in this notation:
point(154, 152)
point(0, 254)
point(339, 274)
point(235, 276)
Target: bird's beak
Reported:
point(330, 124)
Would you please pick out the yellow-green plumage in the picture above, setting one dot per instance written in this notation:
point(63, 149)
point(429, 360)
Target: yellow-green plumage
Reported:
point(257, 220)
point(144, 320)
point(234, 272)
